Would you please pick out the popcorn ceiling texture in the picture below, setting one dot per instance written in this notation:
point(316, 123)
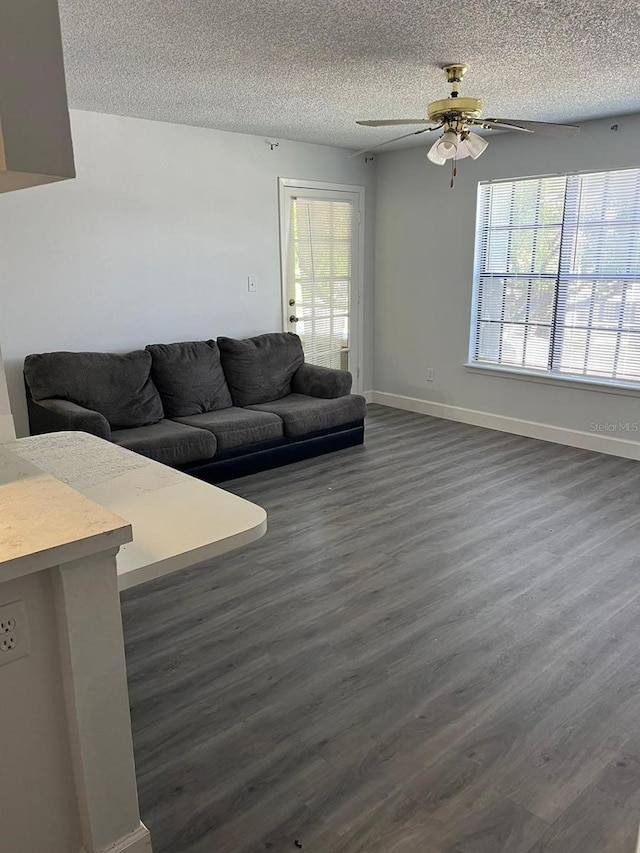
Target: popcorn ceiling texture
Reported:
point(307, 69)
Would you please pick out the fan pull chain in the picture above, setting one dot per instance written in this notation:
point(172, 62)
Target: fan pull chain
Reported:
point(454, 172)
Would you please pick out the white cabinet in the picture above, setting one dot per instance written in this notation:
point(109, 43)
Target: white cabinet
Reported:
point(35, 137)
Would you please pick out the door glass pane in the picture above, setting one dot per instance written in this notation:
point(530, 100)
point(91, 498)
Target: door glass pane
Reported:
point(320, 266)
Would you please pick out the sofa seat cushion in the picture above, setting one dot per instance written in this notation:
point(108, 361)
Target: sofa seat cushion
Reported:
point(260, 369)
point(302, 414)
point(168, 442)
point(234, 427)
point(189, 377)
point(118, 386)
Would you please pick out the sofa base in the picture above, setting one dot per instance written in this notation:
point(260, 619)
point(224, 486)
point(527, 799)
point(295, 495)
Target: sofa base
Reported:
point(273, 454)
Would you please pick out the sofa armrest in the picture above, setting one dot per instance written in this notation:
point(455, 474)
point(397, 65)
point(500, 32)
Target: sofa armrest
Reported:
point(321, 381)
point(55, 415)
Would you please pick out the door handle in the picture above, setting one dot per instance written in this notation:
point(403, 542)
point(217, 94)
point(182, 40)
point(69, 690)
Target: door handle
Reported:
point(293, 319)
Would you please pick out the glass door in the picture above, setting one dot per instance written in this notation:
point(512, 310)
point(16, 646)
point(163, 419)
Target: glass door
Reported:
point(320, 267)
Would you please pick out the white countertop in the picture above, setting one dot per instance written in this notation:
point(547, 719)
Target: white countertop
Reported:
point(44, 522)
point(177, 521)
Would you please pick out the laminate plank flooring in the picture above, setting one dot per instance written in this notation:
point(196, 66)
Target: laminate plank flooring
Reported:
point(435, 649)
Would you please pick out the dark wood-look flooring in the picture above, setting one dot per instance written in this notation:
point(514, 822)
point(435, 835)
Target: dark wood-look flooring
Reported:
point(435, 649)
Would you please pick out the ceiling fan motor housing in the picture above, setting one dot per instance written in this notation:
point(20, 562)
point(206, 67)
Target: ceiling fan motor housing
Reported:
point(454, 109)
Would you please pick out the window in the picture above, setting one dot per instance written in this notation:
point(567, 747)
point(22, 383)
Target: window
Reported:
point(557, 276)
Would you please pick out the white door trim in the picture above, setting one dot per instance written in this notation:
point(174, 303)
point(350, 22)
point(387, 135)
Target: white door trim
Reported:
point(357, 313)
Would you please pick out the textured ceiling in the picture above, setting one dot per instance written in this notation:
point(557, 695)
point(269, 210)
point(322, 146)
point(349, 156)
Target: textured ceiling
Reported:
point(307, 69)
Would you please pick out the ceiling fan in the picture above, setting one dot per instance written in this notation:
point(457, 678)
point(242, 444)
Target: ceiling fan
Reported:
point(456, 116)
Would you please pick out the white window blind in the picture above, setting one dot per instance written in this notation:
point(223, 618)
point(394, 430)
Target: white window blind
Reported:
point(557, 275)
point(320, 243)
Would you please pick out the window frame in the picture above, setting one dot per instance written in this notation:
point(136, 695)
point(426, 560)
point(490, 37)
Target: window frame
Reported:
point(548, 376)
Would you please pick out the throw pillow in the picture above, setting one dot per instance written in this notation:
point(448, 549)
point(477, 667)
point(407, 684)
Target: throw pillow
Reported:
point(189, 377)
point(259, 369)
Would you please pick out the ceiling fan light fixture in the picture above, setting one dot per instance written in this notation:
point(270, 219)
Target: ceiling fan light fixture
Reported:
point(434, 155)
point(447, 145)
point(462, 151)
point(474, 144)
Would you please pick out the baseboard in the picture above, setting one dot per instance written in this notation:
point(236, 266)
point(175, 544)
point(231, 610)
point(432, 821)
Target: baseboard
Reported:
point(138, 841)
point(531, 429)
point(368, 396)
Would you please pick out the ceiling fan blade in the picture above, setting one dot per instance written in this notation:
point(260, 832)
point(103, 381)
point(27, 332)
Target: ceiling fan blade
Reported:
point(544, 128)
point(395, 139)
point(489, 124)
point(386, 122)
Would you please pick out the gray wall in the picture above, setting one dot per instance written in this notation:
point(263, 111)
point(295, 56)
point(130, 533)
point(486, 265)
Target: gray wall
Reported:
point(424, 270)
point(154, 240)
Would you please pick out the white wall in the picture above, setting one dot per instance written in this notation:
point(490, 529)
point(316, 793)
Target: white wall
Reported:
point(34, 743)
point(424, 271)
point(154, 240)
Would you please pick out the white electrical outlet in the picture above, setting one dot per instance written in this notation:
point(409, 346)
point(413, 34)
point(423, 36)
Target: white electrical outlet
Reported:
point(252, 283)
point(14, 632)
point(429, 374)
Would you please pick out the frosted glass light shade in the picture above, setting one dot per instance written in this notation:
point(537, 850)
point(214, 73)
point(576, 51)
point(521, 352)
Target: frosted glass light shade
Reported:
point(475, 145)
point(448, 145)
point(463, 151)
point(434, 155)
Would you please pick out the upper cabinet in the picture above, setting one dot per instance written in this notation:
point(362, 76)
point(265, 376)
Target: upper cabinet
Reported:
point(35, 136)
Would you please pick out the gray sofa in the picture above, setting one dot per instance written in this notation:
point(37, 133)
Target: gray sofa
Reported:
point(214, 409)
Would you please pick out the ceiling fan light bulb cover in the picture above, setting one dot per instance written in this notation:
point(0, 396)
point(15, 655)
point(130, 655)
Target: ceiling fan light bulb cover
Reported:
point(475, 145)
point(434, 155)
point(462, 151)
point(447, 145)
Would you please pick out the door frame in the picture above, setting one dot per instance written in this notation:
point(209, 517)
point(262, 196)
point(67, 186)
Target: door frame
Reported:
point(357, 261)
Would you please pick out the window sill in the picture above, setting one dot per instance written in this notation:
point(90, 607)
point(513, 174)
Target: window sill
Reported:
point(568, 381)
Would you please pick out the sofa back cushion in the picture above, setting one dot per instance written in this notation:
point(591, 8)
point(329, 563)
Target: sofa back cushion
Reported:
point(259, 369)
point(117, 386)
point(189, 377)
